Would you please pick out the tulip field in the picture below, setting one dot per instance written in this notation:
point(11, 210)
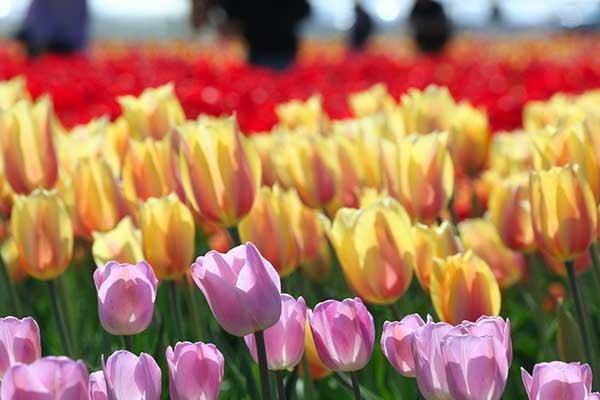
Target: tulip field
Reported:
point(177, 224)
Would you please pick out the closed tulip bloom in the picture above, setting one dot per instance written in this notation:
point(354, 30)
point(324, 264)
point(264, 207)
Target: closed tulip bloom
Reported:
point(397, 343)
point(195, 371)
point(429, 362)
point(371, 101)
point(428, 110)
point(419, 173)
point(511, 153)
point(284, 341)
point(19, 342)
point(431, 242)
point(469, 138)
point(265, 144)
point(10, 257)
point(563, 211)
point(463, 287)
point(269, 225)
point(43, 234)
point(241, 287)
point(303, 116)
point(126, 296)
point(97, 386)
point(344, 334)
point(220, 170)
point(13, 90)
point(375, 249)
point(167, 236)
point(316, 368)
point(557, 380)
point(154, 113)
point(49, 378)
point(351, 180)
point(122, 244)
point(131, 377)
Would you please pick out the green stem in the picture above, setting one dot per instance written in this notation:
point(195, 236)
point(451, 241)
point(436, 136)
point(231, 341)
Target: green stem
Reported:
point(67, 309)
point(396, 311)
point(280, 385)
point(59, 318)
point(581, 320)
point(262, 364)
point(349, 384)
point(176, 310)
point(307, 379)
point(128, 339)
point(355, 385)
point(15, 303)
point(595, 264)
point(193, 307)
point(290, 384)
point(234, 234)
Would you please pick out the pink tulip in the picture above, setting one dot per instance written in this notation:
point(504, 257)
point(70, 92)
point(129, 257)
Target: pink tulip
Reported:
point(242, 288)
point(130, 377)
point(344, 334)
point(429, 363)
point(557, 380)
point(97, 386)
point(19, 342)
point(396, 343)
point(284, 341)
point(126, 295)
point(49, 378)
point(195, 371)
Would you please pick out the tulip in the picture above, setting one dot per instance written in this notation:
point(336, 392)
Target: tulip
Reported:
point(10, 257)
point(269, 227)
point(432, 242)
point(375, 249)
point(284, 341)
point(557, 380)
point(30, 160)
point(220, 170)
point(303, 116)
point(51, 378)
point(563, 212)
point(481, 236)
point(130, 377)
point(511, 153)
point(122, 244)
point(154, 113)
point(19, 342)
point(265, 145)
point(374, 100)
point(344, 334)
point(351, 180)
point(42, 232)
point(316, 368)
point(397, 343)
point(427, 111)
point(97, 386)
point(126, 296)
point(540, 114)
point(463, 287)
point(241, 287)
point(195, 371)
point(469, 138)
point(419, 173)
point(13, 90)
point(168, 231)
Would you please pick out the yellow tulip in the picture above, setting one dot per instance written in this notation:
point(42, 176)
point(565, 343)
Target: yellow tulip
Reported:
point(122, 244)
point(350, 179)
point(269, 227)
point(375, 248)
point(563, 210)
point(10, 257)
point(265, 145)
point(220, 170)
point(463, 287)
point(167, 236)
point(469, 138)
point(427, 111)
point(42, 231)
point(372, 101)
point(511, 152)
point(154, 113)
point(13, 90)
point(26, 133)
point(558, 110)
point(303, 116)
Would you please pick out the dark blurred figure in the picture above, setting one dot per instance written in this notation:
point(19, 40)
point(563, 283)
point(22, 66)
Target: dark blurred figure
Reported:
point(56, 26)
point(430, 25)
point(362, 28)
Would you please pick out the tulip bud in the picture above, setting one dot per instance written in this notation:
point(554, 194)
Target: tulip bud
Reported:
point(47, 378)
point(563, 212)
point(239, 277)
point(375, 249)
point(19, 342)
point(97, 386)
point(397, 343)
point(344, 334)
point(374, 100)
point(557, 380)
point(463, 287)
point(13, 90)
point(265, 145)
point(220, 170)
point(351, 180)
point(154, 113)
point(168, 233)
point(43, 234)
point(316, 368)
point(303, 116)
point(122, 244)
point(130, 377)
point(10, 257)
point(511, 153)
point(195, 371)
point(429, 110)
point(126, 296)
point(27, 138)
point(269, 227)
point(468, 138)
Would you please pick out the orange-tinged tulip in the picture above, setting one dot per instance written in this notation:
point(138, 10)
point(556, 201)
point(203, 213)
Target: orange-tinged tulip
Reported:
point(269, 227)
point(220, 170)
point(469, 138)
point(118, 135)
point(511, 152)
point(510, 211)
point(26, 133)
point(303, 116)
point(154, 113)
point(481, 236)
point(265, 145)
point(581, 263)
point(374, 100)
point(317, 268)
point(431, 242)
point(419, 172)
point(463, 287)
point(13, 90)
point(317, 369)
point(42, 231)
point(559, 109)
point(375, 248)
point(563, 210)
point(167, 236)
point(122, 244)
point(427, 111)
point(10, 257)
point(350, 179)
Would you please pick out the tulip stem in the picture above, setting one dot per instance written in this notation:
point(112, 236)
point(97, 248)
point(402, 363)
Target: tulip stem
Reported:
point(578, 299)
point(307, 379)
point(15, 303)
point(59, 318)
point(176, 309)
point(128, 340)
point(193, 307)
point(595, 264)
point(262, 364)
point(290, 384)
point(234, 234)
point(355, 385)
point(280, 385)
